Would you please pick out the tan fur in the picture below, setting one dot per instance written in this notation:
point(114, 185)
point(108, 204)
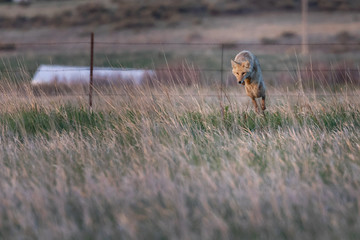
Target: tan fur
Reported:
point(247, 71)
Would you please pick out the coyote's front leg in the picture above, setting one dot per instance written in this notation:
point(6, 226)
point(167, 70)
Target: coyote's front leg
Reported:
point(263, 103)
point(255, 104)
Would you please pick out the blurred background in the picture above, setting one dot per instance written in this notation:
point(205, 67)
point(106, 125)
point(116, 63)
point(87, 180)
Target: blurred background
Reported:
point(199, 35)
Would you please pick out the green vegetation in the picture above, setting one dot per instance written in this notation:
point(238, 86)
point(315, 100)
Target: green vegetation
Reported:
point(42, 121)
point(31, 122)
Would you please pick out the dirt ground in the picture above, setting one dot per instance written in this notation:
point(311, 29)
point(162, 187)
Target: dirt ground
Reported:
point(254, 28)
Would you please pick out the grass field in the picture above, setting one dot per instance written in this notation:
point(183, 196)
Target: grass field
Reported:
point(179, 163)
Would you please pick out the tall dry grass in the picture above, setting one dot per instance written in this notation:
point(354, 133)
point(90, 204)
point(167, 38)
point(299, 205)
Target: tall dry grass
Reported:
point(177, 162)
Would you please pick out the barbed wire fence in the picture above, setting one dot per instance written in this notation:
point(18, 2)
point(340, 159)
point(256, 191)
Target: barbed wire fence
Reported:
point(221, 69)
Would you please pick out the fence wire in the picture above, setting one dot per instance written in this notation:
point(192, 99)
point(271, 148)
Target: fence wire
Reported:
point(182, 43)
point(220, 46)
point(181, 70)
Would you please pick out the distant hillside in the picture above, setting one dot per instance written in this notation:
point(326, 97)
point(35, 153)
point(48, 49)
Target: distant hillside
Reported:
point(324, 5)
point(141, 14)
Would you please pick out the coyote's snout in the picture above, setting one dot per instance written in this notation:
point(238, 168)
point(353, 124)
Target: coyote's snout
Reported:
point(246, 69)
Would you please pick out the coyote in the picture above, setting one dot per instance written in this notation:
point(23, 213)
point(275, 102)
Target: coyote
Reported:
point(246, 69)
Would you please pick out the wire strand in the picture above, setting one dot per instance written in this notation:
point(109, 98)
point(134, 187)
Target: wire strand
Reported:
point(174, 69)
point(180, 43)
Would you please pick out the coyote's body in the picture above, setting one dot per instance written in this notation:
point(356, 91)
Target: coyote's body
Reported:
point(247, 71)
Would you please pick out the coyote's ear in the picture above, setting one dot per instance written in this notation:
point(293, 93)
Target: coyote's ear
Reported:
point(234, 64)
point(247, 64)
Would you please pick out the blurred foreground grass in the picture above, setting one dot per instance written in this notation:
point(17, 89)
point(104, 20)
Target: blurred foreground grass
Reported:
point(179, 168)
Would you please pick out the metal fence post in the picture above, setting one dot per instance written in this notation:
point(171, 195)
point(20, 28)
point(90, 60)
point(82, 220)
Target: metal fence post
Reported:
point(222, 80)
point(91, 71)
point(222, 66)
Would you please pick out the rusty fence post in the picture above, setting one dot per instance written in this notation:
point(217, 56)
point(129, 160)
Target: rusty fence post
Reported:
point(91, 71)
point(222, 80)
point(222, 67)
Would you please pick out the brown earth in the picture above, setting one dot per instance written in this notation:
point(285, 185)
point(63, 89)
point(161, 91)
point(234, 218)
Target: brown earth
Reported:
point(144, 14)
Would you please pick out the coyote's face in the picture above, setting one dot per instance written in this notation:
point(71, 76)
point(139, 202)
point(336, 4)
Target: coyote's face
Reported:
point(240, 70)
